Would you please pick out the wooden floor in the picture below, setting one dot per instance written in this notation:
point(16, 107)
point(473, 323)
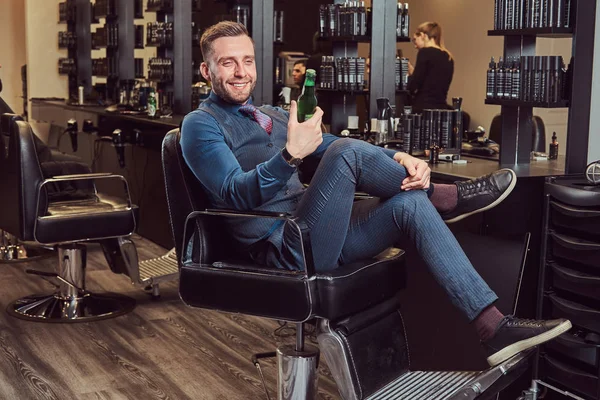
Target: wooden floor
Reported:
point(161, 350)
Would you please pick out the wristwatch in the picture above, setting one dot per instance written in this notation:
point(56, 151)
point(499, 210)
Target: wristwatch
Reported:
point(293, 161)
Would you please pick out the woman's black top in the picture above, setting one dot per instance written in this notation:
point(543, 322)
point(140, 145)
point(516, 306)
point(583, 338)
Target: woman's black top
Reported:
point(431, 79)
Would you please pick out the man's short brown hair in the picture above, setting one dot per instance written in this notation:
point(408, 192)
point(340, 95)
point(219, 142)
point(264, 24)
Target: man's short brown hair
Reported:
point(219, 30)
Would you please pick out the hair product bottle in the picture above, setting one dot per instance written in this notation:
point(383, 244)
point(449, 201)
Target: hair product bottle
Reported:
point(553, 153)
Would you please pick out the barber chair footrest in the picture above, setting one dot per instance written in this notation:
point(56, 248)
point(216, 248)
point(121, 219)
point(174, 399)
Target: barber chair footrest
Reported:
point(87, 308)
point(160, 269)
point(367, 351)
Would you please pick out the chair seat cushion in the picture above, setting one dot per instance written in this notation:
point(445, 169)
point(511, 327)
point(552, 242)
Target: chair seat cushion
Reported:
point(354, 287)
point(243, 287)
point(86, 219)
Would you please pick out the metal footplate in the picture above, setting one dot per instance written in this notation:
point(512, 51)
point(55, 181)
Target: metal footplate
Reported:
point(452, 385)
point(148, 273)
point(159, 269)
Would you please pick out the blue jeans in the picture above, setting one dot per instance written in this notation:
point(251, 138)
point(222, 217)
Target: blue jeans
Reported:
point(343, 230)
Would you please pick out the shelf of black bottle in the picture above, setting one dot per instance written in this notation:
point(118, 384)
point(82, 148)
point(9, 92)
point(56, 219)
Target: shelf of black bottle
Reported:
point(159, 80)
point(104, 46)
point(351, 92)
point(106, 16)
point(164, 46)
point(350, 38)
point(541, 32)
point(403, 39)
point(159, 9)
point(521, 103)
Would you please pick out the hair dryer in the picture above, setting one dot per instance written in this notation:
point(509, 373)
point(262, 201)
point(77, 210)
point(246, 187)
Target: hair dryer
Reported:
point(119, 143)
point(72, 129)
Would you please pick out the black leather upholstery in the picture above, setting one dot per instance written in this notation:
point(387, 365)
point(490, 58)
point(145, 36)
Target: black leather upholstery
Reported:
point(67, 210)
point(215, 276)
point(538, 133)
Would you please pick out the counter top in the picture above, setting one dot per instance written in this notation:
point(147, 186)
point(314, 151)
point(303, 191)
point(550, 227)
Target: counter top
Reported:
point(477, 167)
point(443, 171)
point(169, 123)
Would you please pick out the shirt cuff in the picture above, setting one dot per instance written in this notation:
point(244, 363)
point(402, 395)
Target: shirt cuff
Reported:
point(390, 153)
point(278, 168)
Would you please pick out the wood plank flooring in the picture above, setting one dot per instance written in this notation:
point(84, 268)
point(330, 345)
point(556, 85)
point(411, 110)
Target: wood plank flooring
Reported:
point(161, 350)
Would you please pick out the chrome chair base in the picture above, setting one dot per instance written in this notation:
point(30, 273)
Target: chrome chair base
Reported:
point(87, 308)
point(71, 302)
point(11, 250)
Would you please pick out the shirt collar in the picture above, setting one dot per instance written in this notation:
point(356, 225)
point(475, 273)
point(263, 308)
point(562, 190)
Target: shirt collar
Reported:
point(232, 108)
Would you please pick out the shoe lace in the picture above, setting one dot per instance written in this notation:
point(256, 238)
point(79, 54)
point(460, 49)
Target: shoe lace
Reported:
point(474, 186)
point(522, 322)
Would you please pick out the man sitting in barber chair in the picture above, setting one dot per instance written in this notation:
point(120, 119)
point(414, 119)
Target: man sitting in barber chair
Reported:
point(248, 159)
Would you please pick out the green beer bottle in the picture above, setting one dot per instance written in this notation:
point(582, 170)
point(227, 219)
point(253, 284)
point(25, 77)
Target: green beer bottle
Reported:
point(307, 102)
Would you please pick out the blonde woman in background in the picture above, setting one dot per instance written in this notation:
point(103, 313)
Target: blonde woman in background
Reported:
point(430, 78)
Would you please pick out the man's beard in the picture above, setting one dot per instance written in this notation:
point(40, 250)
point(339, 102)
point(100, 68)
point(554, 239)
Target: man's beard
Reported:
point(223, 93)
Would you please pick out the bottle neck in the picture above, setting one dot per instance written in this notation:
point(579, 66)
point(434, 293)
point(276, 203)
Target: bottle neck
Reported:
point(308, 89)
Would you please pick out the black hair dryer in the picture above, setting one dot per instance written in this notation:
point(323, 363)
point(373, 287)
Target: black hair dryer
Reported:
point(72, 129)
point(385, 125)
point(459, 129)
point(119, 144)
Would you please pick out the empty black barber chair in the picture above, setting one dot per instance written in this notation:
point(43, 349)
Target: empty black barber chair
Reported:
point(360, 329)
point(538, 133)
point(57, 203)
point(11, 249)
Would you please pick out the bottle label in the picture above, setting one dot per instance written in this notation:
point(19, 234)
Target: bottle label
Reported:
point(307, 116)
point(151, 110)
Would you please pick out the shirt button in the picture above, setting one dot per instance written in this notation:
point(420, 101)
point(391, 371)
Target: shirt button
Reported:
point(270, 145)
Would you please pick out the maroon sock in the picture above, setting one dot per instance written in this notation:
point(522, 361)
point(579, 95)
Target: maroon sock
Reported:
point(487, 321)
point(444, 197)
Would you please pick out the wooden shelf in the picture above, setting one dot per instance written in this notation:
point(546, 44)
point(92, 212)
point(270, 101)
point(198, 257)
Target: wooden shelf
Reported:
point(358, 39)
point(541, 32)
point(352, 92)
point(403, 40)
point(520, 103)
point(160, 9)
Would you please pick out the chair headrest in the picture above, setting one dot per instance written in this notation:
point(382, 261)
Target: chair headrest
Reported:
point(6, 121)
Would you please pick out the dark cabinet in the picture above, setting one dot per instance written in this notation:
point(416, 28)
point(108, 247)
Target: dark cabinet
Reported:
point(570, 285)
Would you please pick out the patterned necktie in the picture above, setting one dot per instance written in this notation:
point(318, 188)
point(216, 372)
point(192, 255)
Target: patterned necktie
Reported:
point(263, 120)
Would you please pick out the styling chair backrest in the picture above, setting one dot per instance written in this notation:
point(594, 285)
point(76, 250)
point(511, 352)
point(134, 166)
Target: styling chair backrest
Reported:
point(184, 196)
point(538, 132)
point(21, 176)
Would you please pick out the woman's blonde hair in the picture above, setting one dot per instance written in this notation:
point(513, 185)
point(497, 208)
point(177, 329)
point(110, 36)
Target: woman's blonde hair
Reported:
point(434, 31)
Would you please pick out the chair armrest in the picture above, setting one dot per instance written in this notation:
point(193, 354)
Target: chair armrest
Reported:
point(79, 177)
point(309, 266)
point(237, 213)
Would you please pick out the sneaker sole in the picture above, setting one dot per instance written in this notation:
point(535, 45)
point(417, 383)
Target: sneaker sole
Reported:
point(499, 200)
point(517, 347)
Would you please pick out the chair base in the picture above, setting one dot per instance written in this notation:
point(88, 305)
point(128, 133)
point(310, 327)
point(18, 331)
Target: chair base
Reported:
point(87, 308)
point(11, 250)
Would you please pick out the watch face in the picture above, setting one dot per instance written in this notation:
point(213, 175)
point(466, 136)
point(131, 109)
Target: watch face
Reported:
point(289, 159)
point(295, 162)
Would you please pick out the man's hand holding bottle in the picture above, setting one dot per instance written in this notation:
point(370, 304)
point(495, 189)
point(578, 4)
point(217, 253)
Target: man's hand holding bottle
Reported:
point(303, 138)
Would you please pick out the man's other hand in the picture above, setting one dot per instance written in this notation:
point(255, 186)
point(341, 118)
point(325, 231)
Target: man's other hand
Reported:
point(419, 173)
point(303, 138)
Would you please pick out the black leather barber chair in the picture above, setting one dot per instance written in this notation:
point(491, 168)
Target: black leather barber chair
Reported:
point(360, 329)
point(49, 206)
point(538, 133)
point(11, 249)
